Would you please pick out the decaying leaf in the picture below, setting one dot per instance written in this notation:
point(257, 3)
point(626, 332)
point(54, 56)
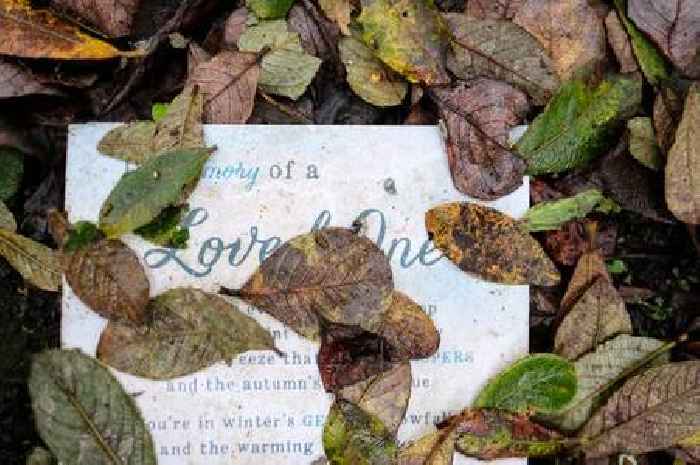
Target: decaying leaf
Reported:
point(578, 124)
point(493, 9)
point(319, 35)
point(569, 30)
point(114, 18)
point(479, 116)
point(353, 437)
point(484, 241)
point(12, 162)
point(17, 81)
point(338, 11)
point(132, 142)
point(500, 50)
point(189, 330)
point(141, 195)
point(269, 9)
point(668, 108)
point(620, 44)
point(590, 267)
point(77, 402)
point(35, 262)
point(34, 33)
point(539, 383)
point(7, 219)
point(332, 274)
point(551, 215)
point(643, 142)
point(409, 36)
point(597, 316)
point(368, 77)
point(654, 410)
point(408, 330)
point(108, 277)
point(683, 166)
point(436, 448)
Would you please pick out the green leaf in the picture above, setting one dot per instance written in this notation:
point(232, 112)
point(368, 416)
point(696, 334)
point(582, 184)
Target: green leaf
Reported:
point(616, 266)
point(158, 111)
point(7, 219)
point(541, 383)
point(12, 163)
point(166, 229)
point(551, 215)
point(643, 144)
point(578, 124)
point(270, 9)
point(40, 456)
point(83, 414)
point(35, 262)
point(81, 235)
point(141, 195)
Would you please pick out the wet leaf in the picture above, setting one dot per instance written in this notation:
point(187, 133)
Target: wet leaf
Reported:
point(408, 330)
point(354, 437)
point(598, 371)
point(435, 448)
point(114, 18)
point(620, 43)
point(332, 274)
point(597, 316)
point(552, 214)
point(489, 9)
point(654, 410)
point(368, 77)
point(571, 32)
point(479, 116)
point(166, 229)
point(12, 162)
point(484, 241)
point(578, 124)
point(500, 50)
point(32, 33)
point(189, 330)
point(108, 277)
point(269, 9)
point(76, 402)
point(34, 261)
point(539, 383)
point(141, 195)
point(18, 81)
point(683, 166)
point(643, 142)
point(7, 219)
point(590, 267)
point(408, 36)
point(338, 11)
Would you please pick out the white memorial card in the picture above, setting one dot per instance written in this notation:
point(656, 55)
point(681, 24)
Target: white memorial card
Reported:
point(264, 185)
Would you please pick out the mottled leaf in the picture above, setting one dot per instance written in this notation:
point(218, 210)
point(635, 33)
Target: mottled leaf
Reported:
point(620, 43)
point(35, 262)
point(12, 162)
point(166, 229)
point(435, 448)
point(578, 124)
point(493, 9)
point(484, 241)
point(409, 36)
point(77, 405)
point(590, 267)
point(338, 11)
point(110, 16)
point(7, 219)
point(18, 81)
point(479, 116)
point(269, 9)
point(408, 330)
point(652, 411)
point(141, 195)
point(189, 330)
point(643, 142)
point(683, 166)
point(368, 77)
point(552, 214)
point(500, 50)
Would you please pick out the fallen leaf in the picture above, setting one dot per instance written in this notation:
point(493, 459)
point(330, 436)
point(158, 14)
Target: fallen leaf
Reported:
point(12, 162)
point(132, 142)
point(108, 277)
point(18, 81)
point(643, 142)
point(620, 44)
point(578, 124)
point(541, 383)
point(235, 26)
point(166, 229)
point(80, 236)
point(113, 17)
point(338, 11)
point(570, 31)
point(353, 437)
point(408, 330)
point(590, 267)
point(40, 456)
point(141, 195)
point(490, 9)
point(269, 9)
point(668, 108)
point(484, 241)
point(7, 219)
point(76, 402)
point(651, 411)
point(196, 55)
point(500, 50)
point(319, 36)
point(34, 261)
point(34, 33)
point(189, 330)
point(436, 448)
point(479, 116)
point(409, 36)
point(551, 215)
point(596, 317)
point(683, 166)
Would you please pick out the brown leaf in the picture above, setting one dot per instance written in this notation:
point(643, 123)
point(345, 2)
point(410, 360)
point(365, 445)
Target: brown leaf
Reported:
point(196, 55)
point(36, 263)
point(493, 9)
point(596, 317)
point(436, 448)
point(591, 266)
point(108, 277)
point(484, 241)
point(338, 11)
point(228, 82)
point(478, 117)
point(674, 26)
point(18, 81)
point(319, 36)
point(668, 108)
point(408, 330)
point(235, 26)
point(110, 16)
point(620, 43)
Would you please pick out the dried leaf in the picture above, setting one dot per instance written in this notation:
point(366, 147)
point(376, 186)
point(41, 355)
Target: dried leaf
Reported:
point(490, 9)
point(435, 448)
point(354, 437)
point(319, 36)
point(332, 274)
point(683, 167)
point(541, 383)
point(570, 31)
point(141, 195)
point(12, 162)
point(189, 330)
point(166, 229)
point(597, 316)
point(409, 36)
point(113, 17)
point(17, 81)
point(77, 402)
point(591, 266)
point(408, 330)
point(643, 142)
point(620, 44)
point(34, 33)
point(668, 108)
point(483, 241)
point(578, 124)
point(35, 262)
point(654, 410)
point(503, 51)
point(338, 11)
point(108, 277)
point(479, 116)
point(7, 219)
point(551, 215)
point(132, 142)
point(368, 77)
point(196, 55)
point(269, 9)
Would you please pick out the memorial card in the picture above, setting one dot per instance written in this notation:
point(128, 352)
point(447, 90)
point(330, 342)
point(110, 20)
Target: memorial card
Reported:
point(262, 186)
